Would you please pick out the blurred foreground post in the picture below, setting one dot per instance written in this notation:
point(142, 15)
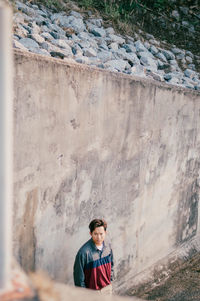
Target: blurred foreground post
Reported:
point(6, 153)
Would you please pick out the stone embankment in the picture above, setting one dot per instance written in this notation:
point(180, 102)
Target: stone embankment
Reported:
point(84, 39)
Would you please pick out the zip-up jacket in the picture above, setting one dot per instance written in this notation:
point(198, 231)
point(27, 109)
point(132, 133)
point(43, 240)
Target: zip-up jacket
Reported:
point(93, 268)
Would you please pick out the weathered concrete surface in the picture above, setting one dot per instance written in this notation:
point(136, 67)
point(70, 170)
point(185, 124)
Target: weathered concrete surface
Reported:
point(90, 143)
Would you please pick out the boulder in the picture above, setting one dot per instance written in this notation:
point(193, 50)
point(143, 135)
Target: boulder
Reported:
point(29, 43)
point(98, 32)
point(119, 65)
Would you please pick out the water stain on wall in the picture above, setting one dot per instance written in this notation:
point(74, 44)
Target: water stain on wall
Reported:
point(188, 206)
point(27, 239)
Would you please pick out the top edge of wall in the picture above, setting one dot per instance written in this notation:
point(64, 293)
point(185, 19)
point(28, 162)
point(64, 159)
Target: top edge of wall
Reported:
point(71, 63)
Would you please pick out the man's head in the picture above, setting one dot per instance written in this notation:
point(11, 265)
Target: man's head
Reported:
point(98, 231)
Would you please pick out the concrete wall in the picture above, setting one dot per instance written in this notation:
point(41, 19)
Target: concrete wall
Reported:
point(90, 143)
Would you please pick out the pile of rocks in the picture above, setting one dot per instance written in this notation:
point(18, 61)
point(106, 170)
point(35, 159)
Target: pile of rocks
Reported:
point(86, 40)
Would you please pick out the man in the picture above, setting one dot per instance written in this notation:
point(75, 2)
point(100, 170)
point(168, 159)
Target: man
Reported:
point(93, 267)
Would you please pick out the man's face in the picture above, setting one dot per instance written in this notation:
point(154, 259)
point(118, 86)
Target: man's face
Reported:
point(98, 235)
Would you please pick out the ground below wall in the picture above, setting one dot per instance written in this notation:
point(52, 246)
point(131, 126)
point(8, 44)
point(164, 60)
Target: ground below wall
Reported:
point(182, 285)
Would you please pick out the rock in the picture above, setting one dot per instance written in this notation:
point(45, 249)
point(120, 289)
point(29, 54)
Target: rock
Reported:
point(104, 56)
point(188, 85)
point(155, 76)
point(63, 44)
point(44, 28)
point(18, 18)
point(183, 61)
point(96, 22)
point(20, 31)
point(76, 14)
point(35, 29)
point(76, 50)
point(57, 29)
point(89, 52)
point(139, 46)
point(25, 9)
point(116, 39)
point(168, 76)
point(55, 35)
point(161, 65)
point(180, 56)
point(57, 54)
point(47, 36)
point(41, 13)
point(60, 19)
point(68, 22)
point(40, 20)
point(110, 30)
point(75, 38)
point(28, 28)
point(119, 65)
point(189, 53)
point(148, 61)
point(18, 45)
point(49, 47)
point(132, 59)
point(130, 40)
point(138, 70)
point(189, 73)
point(168, 54)
point(176, 51)
point(113, 46)
point(129, 48)
point(174, 81)
point(82, 60)
point(173, 62)
point(153, 50)
point(154, 42)
point(103, 46)
point(84, 44)
point(188, 59)
point(93, 61)
point(121, 53)
point(83, 36)
point(147, 45)
point(37, 38)
point(192, 67)
point(77, 25)
point(29, 43)
point(34, 6)
point(98, 32)
point(149, 36)
point(15, 37)
point(39, 51)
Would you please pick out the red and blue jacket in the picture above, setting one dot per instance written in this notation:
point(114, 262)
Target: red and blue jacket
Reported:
point(93, 268)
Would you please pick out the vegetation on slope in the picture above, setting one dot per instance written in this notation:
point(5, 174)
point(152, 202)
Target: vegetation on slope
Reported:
point(174, 21)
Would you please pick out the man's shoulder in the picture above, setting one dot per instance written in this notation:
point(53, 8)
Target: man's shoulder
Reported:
point(86, 247)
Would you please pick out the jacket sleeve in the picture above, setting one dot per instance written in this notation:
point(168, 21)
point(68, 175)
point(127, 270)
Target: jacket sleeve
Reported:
point(79, 276)
point(112, 266)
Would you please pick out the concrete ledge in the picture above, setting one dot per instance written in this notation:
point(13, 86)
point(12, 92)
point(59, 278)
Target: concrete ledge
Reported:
point(116, 75)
